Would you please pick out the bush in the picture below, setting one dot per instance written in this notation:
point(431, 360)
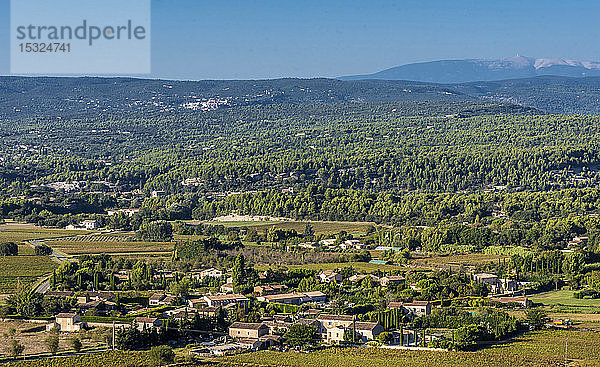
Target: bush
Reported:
point(161, 355)
point(156, 231)
point(466, 337)
point(587, 293)
point(43, 250)
point(52, 343)
point(76, 344)
point(9, 249)
point(385, 337)
point(16, 348)
point(300, 334)
point(536, 317)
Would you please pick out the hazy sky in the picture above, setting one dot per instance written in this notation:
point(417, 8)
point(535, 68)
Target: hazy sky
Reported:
point(197, 39)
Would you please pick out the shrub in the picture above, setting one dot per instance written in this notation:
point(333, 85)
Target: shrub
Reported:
point(52, 343)
point(161, 355)
point(43, 250)
point(9, 249)
point(76, 344)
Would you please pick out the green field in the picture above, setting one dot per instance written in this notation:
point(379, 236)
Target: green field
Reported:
point(541, 348)
point(109, 247)
point(372, 357)
point(565, 298)
point(26, 249)
point(17, 232)
point(104, 359)
point(23, 269)
point(583, 347)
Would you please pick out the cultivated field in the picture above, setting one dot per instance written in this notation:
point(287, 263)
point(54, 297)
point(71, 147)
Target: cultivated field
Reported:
point(580, 320)
point(109, 244)
point(23, 269)
point(104, 359)
point(372, 357)
point(19, 232)
point(26, 268)
point(542, 348)
point(583, 347)
point(32, 335)
point(26, 249)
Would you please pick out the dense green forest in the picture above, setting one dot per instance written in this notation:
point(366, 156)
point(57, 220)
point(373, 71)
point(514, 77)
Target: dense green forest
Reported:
point(438, 164)
point(383, 147)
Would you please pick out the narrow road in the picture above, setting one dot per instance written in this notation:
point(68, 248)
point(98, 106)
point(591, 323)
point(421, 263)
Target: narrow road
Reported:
point(45, 285)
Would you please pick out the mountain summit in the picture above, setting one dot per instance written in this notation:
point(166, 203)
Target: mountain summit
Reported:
point(469, 70)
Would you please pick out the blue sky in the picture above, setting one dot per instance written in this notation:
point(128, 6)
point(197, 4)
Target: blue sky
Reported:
point(198, 39)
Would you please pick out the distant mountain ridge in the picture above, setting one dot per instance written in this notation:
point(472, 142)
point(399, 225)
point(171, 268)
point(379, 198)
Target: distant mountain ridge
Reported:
point(471, 70)
point(34, 97)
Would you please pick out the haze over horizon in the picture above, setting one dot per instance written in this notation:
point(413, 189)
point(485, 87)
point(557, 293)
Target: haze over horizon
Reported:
point(205, 40)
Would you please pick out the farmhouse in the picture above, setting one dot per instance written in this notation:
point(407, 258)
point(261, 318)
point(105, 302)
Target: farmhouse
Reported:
point(308, 245)
point(248, 330)
point(348, 244)
point(327, 242)
point(297, 298)
point(210, 273)
point(333, 327)
point(67, 322)
point(329, 321)
point(128, 212)
point(359, 277)
point(206, 312)
point(157, 193)
point(88, 296)
point(391, 280)
point(328, 276)
point(368, 330)
point(578, 242)
point(225, 299)
point(158, 299)
point(147, 322)
point(414, 309)
point(89, 224)
point(264, 290)
point(196, 302)
point(227, 287)
point(490, 279)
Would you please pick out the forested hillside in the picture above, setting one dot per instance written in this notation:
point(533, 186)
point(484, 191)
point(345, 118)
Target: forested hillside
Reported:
point(66, 97)
point(22, 97)
point(384, 147)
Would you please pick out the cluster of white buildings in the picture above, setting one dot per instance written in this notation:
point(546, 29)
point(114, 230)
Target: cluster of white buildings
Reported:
point(329, 328)
point(343, 245)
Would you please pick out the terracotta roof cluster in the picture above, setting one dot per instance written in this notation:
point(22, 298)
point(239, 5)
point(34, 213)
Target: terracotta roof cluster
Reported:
point(247, 325)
